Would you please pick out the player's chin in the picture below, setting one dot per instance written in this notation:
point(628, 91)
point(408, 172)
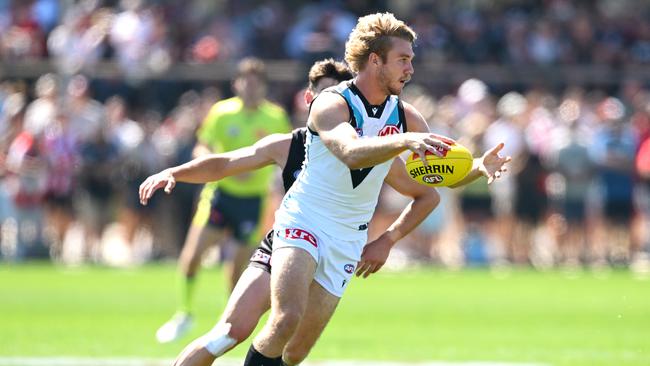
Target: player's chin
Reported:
point(397, 88)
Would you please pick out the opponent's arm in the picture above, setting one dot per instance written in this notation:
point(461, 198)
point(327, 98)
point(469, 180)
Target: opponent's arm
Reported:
point(327, 116)
point(425, 199)
point(207, 168)
point(491, 165)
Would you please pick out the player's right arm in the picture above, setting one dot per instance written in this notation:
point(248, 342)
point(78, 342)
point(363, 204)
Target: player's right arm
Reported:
point(207, 168)
point(327, 117)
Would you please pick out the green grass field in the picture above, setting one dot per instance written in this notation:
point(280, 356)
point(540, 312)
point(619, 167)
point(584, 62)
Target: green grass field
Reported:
point(418, 315)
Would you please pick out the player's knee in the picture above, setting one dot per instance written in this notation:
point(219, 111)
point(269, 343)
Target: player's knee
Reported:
point(240, 332)
point(286, 320)
point(295, 355)
point(220, 339)
point(189, 262)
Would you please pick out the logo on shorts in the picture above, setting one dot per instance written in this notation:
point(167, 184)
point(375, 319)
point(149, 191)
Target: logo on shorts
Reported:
point(388, 130)
point(261, 257)
point(302, 235)
point(349, 268)
point(359, 131)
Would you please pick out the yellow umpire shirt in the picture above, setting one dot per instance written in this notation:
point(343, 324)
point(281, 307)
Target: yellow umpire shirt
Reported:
point(228, 126)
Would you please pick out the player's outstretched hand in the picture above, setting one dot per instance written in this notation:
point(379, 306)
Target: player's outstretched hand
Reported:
point(374, 256)
point(154, 182)
point(492, 165)
point(420, 143)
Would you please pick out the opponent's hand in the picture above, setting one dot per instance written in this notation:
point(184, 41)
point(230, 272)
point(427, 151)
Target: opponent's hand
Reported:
point(374, 256)
point(492, 165)
point(155, 182)
point(420, 143)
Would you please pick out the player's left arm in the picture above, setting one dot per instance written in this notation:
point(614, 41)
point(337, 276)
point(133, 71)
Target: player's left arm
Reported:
point(425, 199)
point(491, 165)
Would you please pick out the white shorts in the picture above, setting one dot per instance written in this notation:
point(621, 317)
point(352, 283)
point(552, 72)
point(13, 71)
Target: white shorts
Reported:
point(336, 259)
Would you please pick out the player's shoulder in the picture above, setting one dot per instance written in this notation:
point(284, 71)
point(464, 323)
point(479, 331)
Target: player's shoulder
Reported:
point(273, 109)
point(329, 106)
point(414, 118)
point(339, 88)
point(330, 99)
point(227, 106)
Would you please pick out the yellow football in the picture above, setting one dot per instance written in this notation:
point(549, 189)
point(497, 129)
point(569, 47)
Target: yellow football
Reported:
point(441, 171)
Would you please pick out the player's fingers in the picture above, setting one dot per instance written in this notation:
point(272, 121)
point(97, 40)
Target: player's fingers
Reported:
point(370, 271)
point(143, 193)
point(366, 272)
point(143, 188)
point(435, 149)
point(495, 150)
point(444, 139)
point(361, 267)
point(423, 156)
point(440, 144)
point(170, 185)
point(149, 191)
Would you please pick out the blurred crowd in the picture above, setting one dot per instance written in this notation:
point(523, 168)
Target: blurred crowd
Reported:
point(148, 35)
point(577, 190)
point(74, 149)
point(71, 167)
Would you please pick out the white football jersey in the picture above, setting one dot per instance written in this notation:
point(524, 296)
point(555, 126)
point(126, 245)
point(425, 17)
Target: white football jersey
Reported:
point(328, 194)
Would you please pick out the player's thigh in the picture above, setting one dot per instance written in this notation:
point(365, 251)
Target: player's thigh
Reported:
point(250, 299)
point(293, 272)
point(320, 308)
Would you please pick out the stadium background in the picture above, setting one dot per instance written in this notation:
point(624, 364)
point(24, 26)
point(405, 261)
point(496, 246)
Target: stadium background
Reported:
point(563, 83)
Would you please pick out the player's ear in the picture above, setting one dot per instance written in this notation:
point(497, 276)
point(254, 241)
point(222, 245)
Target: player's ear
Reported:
point(309, 96)
point(236, 85)
point(374, 59)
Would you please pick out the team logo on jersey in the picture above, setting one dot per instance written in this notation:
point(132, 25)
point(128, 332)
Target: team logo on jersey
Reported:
point(389, 130)
point(349, 268)
point(302, 235)
point(233, 131)
point(374, 110)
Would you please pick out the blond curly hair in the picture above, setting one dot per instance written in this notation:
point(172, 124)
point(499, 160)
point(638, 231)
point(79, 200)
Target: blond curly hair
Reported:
point(373, 33)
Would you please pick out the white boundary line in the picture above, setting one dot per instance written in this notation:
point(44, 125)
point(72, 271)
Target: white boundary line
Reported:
point(124, 361)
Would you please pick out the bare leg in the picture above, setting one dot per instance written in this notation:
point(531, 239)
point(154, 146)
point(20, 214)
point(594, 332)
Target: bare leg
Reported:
point(320, 308)
point(293, 273)
point(248, 301)
point(236, 267)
